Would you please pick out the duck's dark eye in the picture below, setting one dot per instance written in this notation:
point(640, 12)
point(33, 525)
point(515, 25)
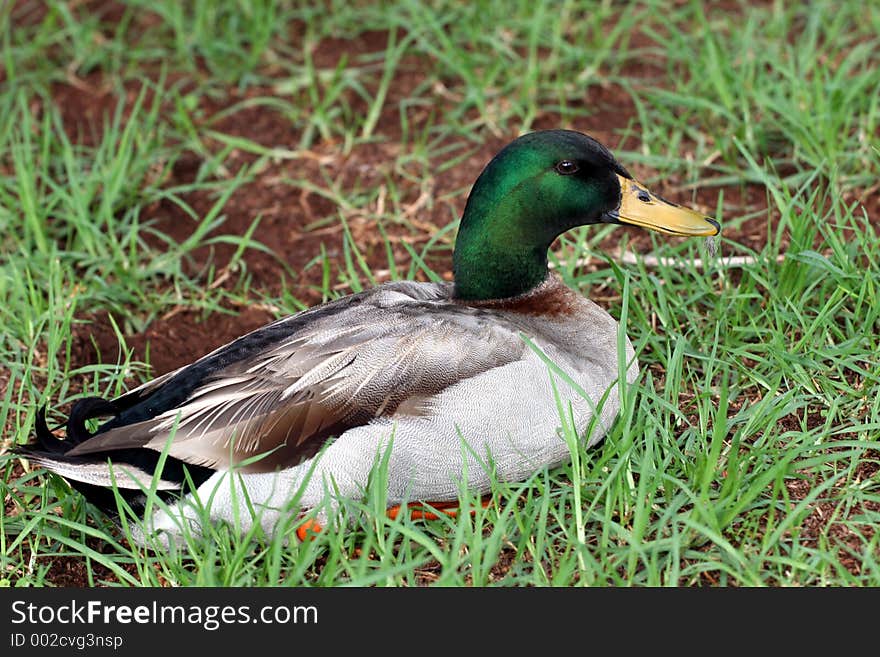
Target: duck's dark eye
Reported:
point(566, 167)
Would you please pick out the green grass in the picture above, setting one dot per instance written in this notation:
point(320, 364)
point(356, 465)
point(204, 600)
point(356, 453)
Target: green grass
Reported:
point(746, 452)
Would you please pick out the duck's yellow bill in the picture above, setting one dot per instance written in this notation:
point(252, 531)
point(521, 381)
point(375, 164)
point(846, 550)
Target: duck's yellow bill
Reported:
point(640, 207)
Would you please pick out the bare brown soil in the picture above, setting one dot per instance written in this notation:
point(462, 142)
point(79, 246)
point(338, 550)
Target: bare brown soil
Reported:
point(848, 529)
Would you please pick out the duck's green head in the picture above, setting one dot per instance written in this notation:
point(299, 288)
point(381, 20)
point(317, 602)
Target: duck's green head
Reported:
point(535, 189)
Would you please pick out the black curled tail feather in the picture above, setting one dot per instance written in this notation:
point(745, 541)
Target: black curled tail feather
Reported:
point(46, 442)
point(83, 410)
point(51, 452)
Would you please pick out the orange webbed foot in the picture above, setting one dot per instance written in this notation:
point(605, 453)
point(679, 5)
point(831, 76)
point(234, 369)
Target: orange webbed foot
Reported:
point(308, 530)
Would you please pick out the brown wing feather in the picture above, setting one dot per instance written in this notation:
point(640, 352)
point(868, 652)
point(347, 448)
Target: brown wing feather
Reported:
point(394, 349)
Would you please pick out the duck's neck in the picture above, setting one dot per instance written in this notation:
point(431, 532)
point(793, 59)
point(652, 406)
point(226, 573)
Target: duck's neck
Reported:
point(497, 262)
point(502, 242)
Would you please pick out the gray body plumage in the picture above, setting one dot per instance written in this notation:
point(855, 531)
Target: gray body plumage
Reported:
point(439, 387)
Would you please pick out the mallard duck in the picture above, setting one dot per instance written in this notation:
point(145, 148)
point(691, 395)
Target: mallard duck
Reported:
point(437, 379)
